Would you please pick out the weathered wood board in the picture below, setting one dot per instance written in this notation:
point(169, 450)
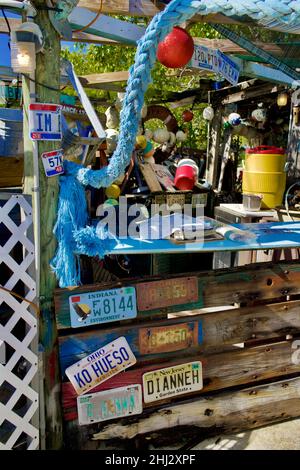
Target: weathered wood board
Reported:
point(11, 171)
point(202, 333)
point(259, 282)
point(220, 370)
point(227, 412)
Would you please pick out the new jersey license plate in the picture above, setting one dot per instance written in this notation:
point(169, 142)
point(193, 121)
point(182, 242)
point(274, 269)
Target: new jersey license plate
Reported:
point(172, 381)
point(110, 404)
point(101, 365)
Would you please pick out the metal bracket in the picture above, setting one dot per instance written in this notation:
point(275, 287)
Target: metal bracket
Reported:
point(59, 17)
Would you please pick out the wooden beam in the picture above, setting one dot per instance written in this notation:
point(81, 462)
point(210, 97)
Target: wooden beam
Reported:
point(123, 7)
point(250, 93)
point(47, 72)
point(215, 331)
point(293, 151)
point(105, 81)
point(214, 133)
point(234, 368)
point(106, 26)
point(227, 412)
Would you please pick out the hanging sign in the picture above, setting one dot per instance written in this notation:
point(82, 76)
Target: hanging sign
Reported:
point(53, 162)
point(102, 306)
point(111, 404)
point(216, 62)
point(101, 365)
point(45, 121)
point(172, 381)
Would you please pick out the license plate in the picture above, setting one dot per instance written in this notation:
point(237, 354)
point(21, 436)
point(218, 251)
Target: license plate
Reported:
point(172, 381)
point(111, 404)
point(102, 307)
point(101, 365)
point(160, 294)
point(168, 338)
point(53, 163)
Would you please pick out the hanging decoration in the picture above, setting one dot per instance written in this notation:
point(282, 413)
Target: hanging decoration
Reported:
point(177, 49)
point(208, 113)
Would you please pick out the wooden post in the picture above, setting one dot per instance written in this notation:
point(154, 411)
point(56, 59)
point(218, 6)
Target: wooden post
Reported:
point(47, 73)
point(215, 128)
point(293, 149)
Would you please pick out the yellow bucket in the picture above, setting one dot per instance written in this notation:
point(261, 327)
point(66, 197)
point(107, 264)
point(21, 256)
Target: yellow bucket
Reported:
point(270, 185)
point(264, 174)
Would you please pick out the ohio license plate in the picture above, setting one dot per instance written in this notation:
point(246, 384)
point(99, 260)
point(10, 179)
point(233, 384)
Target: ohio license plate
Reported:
point(162, 339)
point(101, 365)
point(102, 307)
point(160, 294)
point(111, 404)
point(172, 381)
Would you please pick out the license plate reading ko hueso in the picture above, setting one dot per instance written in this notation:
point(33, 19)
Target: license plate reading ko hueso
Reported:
point(101, 365)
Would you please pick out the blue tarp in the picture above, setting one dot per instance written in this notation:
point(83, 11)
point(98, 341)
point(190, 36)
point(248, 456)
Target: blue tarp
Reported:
point(11, 132)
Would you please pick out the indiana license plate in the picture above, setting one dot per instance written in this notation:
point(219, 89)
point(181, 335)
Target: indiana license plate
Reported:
point(111, 404)
point(161, 294)
point(103, 306)
point(172, 381)
point(162, 339)
point(101, 365)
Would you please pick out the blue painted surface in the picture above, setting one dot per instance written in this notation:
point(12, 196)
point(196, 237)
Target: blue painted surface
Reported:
point(75, 347)
point(268, 236)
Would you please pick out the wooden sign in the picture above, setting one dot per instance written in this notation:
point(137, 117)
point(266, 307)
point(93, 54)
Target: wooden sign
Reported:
point(163, 339)
point(103, 306)
point(172, 381)
point(160, 294)
point(101, 365)
point(111, 404)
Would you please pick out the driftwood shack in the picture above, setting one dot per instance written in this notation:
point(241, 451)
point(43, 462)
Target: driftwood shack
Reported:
point(143, 340)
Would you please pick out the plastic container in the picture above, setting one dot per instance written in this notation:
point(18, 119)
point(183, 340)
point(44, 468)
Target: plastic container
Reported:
point(265, 158)
point(270, 185)
point(264, 174)
point(252, 202)
point(185, 178)
point(189, 162)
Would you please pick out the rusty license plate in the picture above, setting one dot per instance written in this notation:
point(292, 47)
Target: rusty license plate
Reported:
point(161, 294)
point(163, 339)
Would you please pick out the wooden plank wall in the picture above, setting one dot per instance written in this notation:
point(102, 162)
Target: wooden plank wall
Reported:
point(246, 344)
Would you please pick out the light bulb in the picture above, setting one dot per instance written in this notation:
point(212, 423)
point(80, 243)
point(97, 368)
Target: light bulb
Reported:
point(23, 59)
point(282, 99)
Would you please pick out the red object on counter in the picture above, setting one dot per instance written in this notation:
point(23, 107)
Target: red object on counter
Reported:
point(185, 178)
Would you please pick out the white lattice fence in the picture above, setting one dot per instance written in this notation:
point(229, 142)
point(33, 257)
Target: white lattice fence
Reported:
point(18, 326)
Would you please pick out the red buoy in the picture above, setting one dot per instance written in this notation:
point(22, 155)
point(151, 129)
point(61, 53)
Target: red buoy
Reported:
point(177, 49)
point(187, 115)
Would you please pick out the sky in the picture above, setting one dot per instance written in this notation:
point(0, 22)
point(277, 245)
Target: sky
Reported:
point(4, 39)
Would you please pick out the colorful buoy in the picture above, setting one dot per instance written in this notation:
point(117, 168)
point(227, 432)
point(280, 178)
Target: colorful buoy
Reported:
point(113, 191)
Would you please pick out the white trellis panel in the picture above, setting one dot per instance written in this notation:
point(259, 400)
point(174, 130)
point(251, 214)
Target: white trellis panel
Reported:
point(18, 326)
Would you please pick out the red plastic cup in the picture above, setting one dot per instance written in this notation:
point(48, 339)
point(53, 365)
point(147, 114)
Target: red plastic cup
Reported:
point(185, 178)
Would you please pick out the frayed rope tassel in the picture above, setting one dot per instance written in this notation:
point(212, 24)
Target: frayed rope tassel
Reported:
point(71, 216)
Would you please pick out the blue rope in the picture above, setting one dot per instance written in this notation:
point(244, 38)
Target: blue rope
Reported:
point(282, 15)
